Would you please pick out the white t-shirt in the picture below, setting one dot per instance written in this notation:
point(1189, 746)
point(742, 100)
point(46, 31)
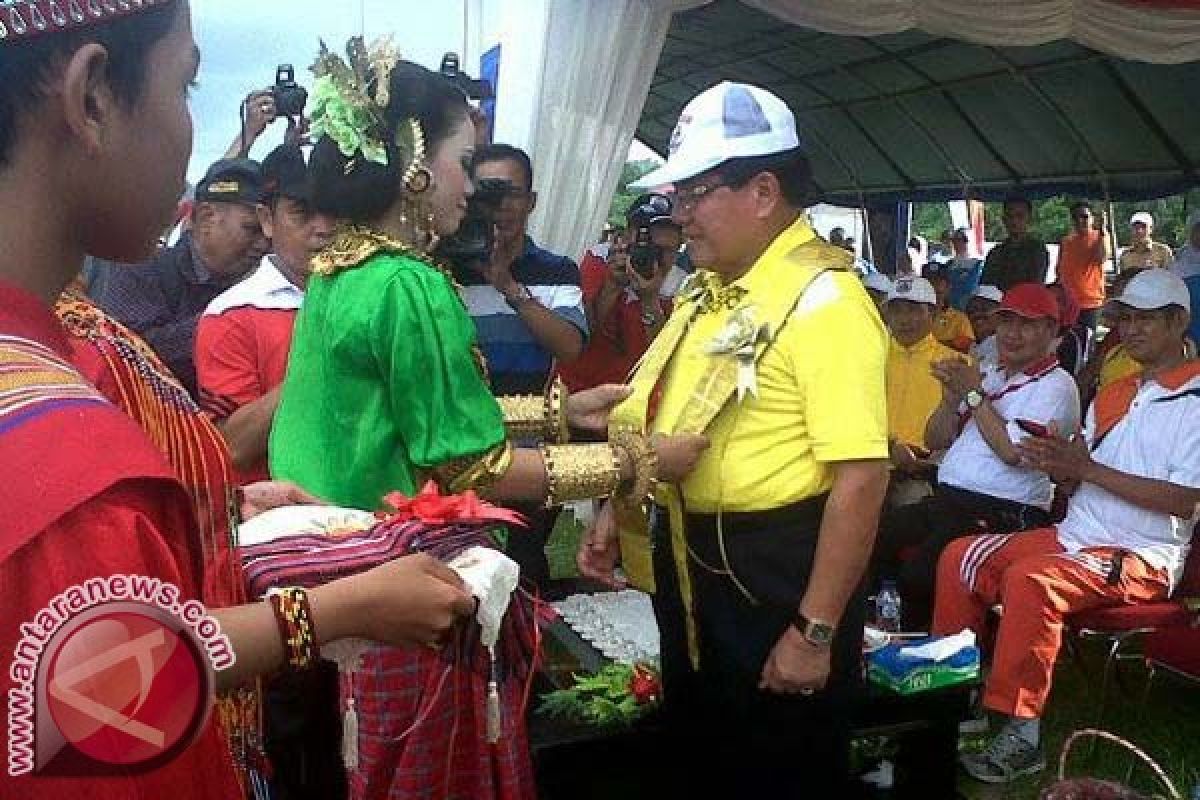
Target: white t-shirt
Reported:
point(987, 352)
point(1041, 395)
point(1158, 438)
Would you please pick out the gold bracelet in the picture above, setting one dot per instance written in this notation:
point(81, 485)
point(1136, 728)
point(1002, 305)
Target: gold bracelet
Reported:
point(644, 460)
point(525, 416)
point(580, 472)
point(557, 430)
point(475, 472)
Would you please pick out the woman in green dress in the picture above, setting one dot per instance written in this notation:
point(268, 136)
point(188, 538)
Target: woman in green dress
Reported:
point(386, 387)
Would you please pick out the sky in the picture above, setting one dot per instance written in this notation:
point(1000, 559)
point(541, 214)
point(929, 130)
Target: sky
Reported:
point(243, 41)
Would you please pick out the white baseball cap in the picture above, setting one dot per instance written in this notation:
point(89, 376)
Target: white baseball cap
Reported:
point(1143, 217)
point(914, 290)
point(730, 120)
point(989, 292)
point(1155, 288)
point(878, 282)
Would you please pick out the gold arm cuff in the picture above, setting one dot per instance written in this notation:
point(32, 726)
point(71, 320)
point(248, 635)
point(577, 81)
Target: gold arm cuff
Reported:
point(580, 472)
point(475, 472)
point(556, 411)
point(525, 416)
point(543, 418)
point(643, 458)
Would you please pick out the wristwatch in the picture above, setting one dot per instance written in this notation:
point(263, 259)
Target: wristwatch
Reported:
point(517, 295)
point(974, 399)
point(818, 634)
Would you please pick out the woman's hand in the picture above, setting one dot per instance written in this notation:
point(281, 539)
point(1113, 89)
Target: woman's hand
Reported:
point(411, 600)
point(600, 548)
point(265, 495)
point(588, 410)
point(678, 454)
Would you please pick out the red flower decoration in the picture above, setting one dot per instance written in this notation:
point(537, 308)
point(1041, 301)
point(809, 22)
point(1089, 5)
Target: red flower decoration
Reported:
point(434, 508)
point(644, 685)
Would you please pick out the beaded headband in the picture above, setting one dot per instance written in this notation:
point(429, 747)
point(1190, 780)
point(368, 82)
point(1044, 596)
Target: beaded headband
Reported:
point(24, 19)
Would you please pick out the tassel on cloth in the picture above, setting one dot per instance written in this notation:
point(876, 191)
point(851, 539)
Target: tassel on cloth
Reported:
point(350, 736)
point(493, 705)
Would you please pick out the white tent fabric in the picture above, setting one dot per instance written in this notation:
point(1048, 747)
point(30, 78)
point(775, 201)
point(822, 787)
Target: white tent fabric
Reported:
point(600, 58)
point(1135, 32)
point(599, 61)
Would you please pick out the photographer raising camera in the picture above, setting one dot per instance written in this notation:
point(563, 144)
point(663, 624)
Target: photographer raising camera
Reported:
point(263, 106)
point(624, 295)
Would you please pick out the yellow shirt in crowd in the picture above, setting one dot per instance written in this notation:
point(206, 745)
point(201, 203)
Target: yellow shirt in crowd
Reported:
point(952, 327)
point(913, 394)
point(1116, 365)
point(1144, 255)
point(819, 397)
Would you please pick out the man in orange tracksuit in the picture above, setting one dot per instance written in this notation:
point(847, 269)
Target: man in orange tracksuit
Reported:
point(1135, 482)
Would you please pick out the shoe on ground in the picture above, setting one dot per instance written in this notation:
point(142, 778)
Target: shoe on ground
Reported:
point(973, 726)
point(1006, 758)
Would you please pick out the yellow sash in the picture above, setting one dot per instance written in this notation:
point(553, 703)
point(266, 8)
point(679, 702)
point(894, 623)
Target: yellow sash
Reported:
point(761, 319)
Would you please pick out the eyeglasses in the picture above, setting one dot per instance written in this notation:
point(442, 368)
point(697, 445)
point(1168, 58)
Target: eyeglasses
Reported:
point(687, 199)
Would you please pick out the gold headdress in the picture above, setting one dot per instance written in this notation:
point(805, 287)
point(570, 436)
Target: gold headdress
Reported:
point(350, 103)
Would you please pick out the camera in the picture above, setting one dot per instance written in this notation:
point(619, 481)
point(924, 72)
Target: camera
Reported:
point(469, 247)
point(290, 97)
point(473, 89)
point(646, 211)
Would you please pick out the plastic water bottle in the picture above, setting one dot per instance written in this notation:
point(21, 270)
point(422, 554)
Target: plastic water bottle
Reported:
point(887, 608)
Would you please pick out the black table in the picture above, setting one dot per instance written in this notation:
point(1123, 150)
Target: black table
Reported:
point(575, 761)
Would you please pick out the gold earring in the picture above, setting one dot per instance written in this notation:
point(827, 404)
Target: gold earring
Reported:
point(419, 181)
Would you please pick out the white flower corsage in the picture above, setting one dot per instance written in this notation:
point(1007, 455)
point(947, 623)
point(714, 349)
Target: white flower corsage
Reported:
point(738, 338)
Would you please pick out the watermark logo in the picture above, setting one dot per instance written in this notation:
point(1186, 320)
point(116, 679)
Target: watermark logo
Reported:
point(112, 676)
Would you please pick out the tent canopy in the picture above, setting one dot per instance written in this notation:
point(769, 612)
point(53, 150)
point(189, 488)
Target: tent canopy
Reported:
point(913, 115)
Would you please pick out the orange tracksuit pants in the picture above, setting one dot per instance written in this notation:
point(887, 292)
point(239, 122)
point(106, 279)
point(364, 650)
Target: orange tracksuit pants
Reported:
point(1039, 584)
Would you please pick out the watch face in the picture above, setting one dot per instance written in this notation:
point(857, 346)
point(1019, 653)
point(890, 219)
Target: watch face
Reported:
point(820, 634)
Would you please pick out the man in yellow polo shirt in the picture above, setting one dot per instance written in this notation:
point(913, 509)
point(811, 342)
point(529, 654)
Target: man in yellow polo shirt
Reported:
point(776, 353)
point(913, 393)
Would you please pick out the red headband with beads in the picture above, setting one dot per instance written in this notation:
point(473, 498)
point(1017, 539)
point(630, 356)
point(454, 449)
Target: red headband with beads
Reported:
point(24, 19)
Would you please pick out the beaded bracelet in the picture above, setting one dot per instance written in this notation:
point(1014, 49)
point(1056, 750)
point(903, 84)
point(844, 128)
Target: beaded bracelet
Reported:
point(296, 629)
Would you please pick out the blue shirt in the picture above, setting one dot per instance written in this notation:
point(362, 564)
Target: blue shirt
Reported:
point(517, 362)
point(964, 274)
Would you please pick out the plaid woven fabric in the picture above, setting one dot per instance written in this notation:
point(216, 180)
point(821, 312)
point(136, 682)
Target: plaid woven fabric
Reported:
point(422, 715)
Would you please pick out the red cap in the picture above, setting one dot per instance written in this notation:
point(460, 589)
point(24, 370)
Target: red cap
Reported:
point(24, 19)
point(1030, 300)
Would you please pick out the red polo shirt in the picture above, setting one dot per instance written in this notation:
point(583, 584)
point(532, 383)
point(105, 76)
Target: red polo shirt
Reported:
point(616, 342)
point(242, 345)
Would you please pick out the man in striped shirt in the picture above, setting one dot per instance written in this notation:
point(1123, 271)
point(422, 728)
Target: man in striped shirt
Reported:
point(527, 302)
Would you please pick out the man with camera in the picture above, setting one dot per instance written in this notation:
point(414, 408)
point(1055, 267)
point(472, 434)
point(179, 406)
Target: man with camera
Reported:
point(263, 106)
point(623, 295)
point(527, 303)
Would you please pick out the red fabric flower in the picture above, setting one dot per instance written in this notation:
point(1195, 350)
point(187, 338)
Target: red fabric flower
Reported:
point(434, 508)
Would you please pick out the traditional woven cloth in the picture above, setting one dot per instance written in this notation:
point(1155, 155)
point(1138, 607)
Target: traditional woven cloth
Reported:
point(420, 716)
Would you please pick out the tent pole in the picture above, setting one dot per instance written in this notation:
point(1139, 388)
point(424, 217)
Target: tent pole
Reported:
point(1112, 229)
point(869, 251)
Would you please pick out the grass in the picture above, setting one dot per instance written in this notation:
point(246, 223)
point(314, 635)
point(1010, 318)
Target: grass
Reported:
point(1167, 728)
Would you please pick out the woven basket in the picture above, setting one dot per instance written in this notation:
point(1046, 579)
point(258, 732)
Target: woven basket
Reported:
point(1094, 789)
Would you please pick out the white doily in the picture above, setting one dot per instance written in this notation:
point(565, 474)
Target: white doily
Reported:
point(619, 624)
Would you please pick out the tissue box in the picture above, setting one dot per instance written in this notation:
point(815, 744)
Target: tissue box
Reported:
point(894, 668)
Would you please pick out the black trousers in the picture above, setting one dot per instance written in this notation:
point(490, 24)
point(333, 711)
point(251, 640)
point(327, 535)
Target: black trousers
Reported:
point(928, 526)
point(725, 734)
